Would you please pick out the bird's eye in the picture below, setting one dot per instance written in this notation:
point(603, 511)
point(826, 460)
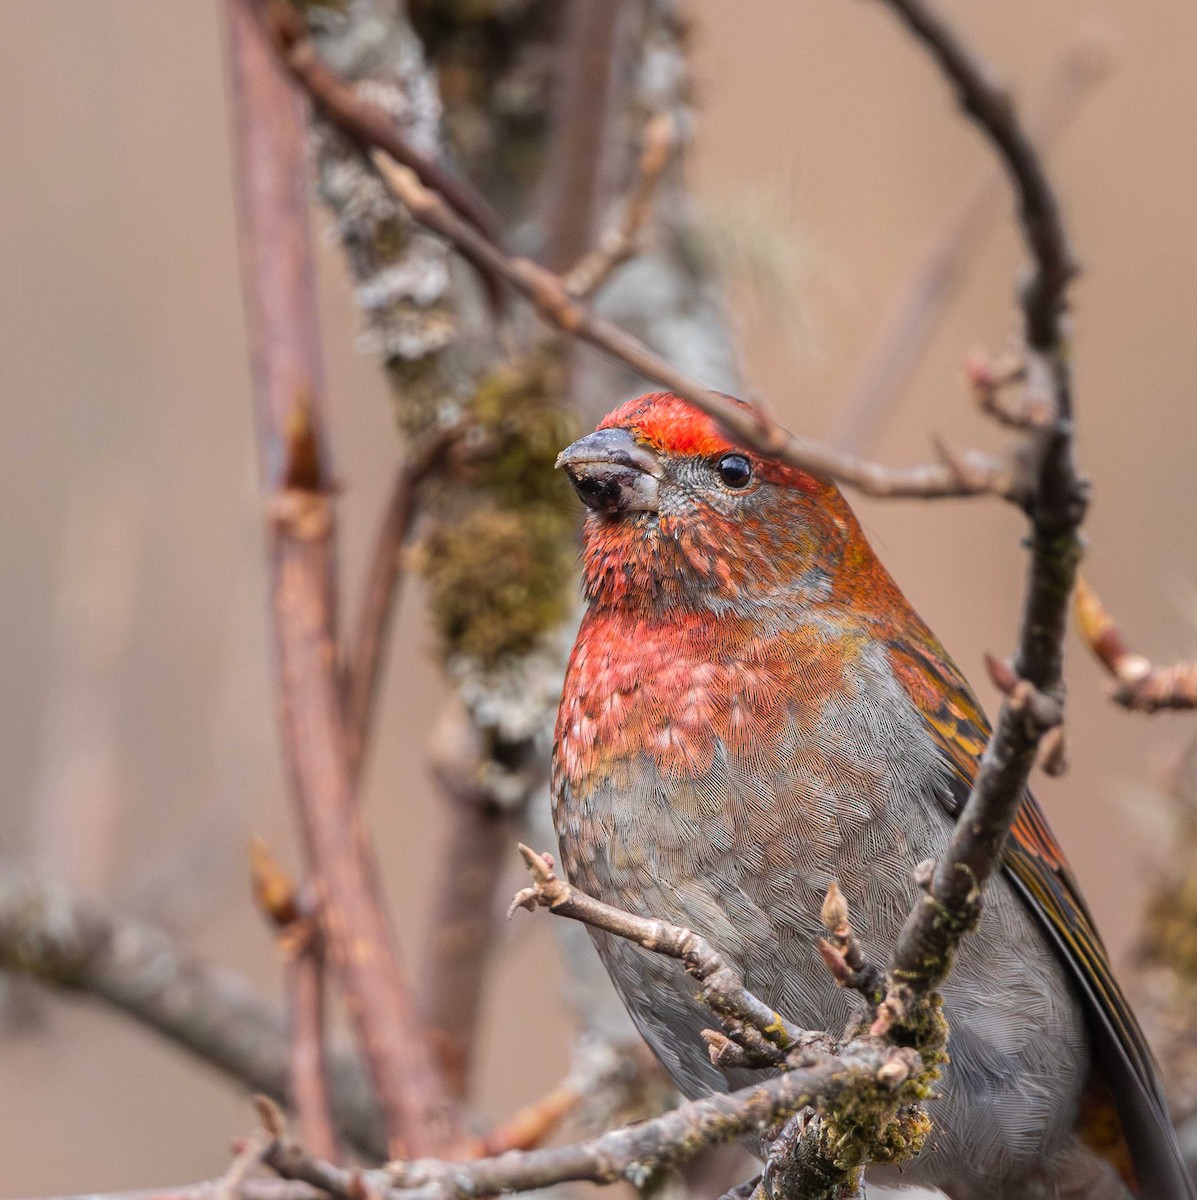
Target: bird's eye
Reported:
point(735, 470)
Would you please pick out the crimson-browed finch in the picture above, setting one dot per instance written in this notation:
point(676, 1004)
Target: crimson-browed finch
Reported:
point(753, 710)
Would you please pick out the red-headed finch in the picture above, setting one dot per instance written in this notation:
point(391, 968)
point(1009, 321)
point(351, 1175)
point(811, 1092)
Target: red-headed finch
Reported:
point(752, 711)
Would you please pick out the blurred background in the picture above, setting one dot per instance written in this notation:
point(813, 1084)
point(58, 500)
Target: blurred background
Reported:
point(137, 720)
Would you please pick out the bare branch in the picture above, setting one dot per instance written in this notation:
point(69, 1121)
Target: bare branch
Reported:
point(633, 1153)
point(56, 937)
point(365, 123)
point(622, 241)
point(1138, 684)
point(748, 1020)
point(1055, 503)
point(962, 475)
point(271, 187)
point(301, 944)
point(915, 310)
point(366, 655)
point(463, 934)
point(990, 105)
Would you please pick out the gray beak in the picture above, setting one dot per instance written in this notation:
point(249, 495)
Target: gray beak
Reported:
point(612, 472)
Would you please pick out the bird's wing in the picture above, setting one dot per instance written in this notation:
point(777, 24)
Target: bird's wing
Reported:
point(1037, 867)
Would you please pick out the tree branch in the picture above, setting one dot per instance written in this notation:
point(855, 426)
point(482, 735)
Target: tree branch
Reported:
point(1055, 503)
point(271, 188)
point(366, 656)
point(367, 124)
point(915, 310)
point(49, 933)
point(1138, 684)
point(957, 475)
point(632, 1153)
point(751, 1023)
point(301, 946)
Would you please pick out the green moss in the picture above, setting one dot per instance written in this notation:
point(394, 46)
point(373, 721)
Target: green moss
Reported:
point(499, 557)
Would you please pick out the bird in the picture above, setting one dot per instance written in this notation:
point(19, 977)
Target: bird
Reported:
point(752, 710)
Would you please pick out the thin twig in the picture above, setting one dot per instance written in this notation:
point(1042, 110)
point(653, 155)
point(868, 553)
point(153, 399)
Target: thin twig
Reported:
point(745, 1017)
point(247, 1160)
point(529, 1126)
point(366, 655)
point(967, 474)
point(622, 241)
point(258, 1188)
point(301, 944)
point(1138, 684)
point(1055, 503)
point(55, 936)
point(365, 123)
point(915, 311)
point(843, 954)
point(463, 938)
point(587, 104)
point(279, 283)
point(632, 1153)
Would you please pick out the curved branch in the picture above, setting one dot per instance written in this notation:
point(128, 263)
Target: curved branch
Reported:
point(957, 475)
point(53, 935)
point(1138, 684)
point(632, 1153)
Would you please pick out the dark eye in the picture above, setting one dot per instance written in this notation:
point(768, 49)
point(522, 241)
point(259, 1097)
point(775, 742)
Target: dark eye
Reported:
point(735, 470)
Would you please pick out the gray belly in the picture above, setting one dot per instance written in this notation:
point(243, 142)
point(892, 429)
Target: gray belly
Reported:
point(745, 860)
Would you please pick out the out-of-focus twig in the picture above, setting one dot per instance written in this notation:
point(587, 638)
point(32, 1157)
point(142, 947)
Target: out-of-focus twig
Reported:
point(916, 308)
point(279, 283)
point(1055, 503)
point(622, 241)
point(366, 654)
point(529, 1126)
point(1138, 684)
point(51, 934)
point(482, 826)
point(301, 944)
point(586, 107)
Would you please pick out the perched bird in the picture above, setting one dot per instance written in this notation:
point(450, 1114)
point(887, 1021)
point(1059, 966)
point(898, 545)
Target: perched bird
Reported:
point(753, 710)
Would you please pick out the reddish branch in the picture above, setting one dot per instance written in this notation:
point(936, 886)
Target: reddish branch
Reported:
point(271, 188)
point(463, 934)
point(1137, 683)
point(588, 96)
point(365, 123)
point(301, 945)
point(366, 653)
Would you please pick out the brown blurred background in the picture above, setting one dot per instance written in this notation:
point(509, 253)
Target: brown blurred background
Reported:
point(137, 722)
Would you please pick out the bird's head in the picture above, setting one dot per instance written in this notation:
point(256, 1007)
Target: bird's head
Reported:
point(683, 517)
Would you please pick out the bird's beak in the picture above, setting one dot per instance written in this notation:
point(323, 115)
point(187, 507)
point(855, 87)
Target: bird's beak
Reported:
point(612, 472)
